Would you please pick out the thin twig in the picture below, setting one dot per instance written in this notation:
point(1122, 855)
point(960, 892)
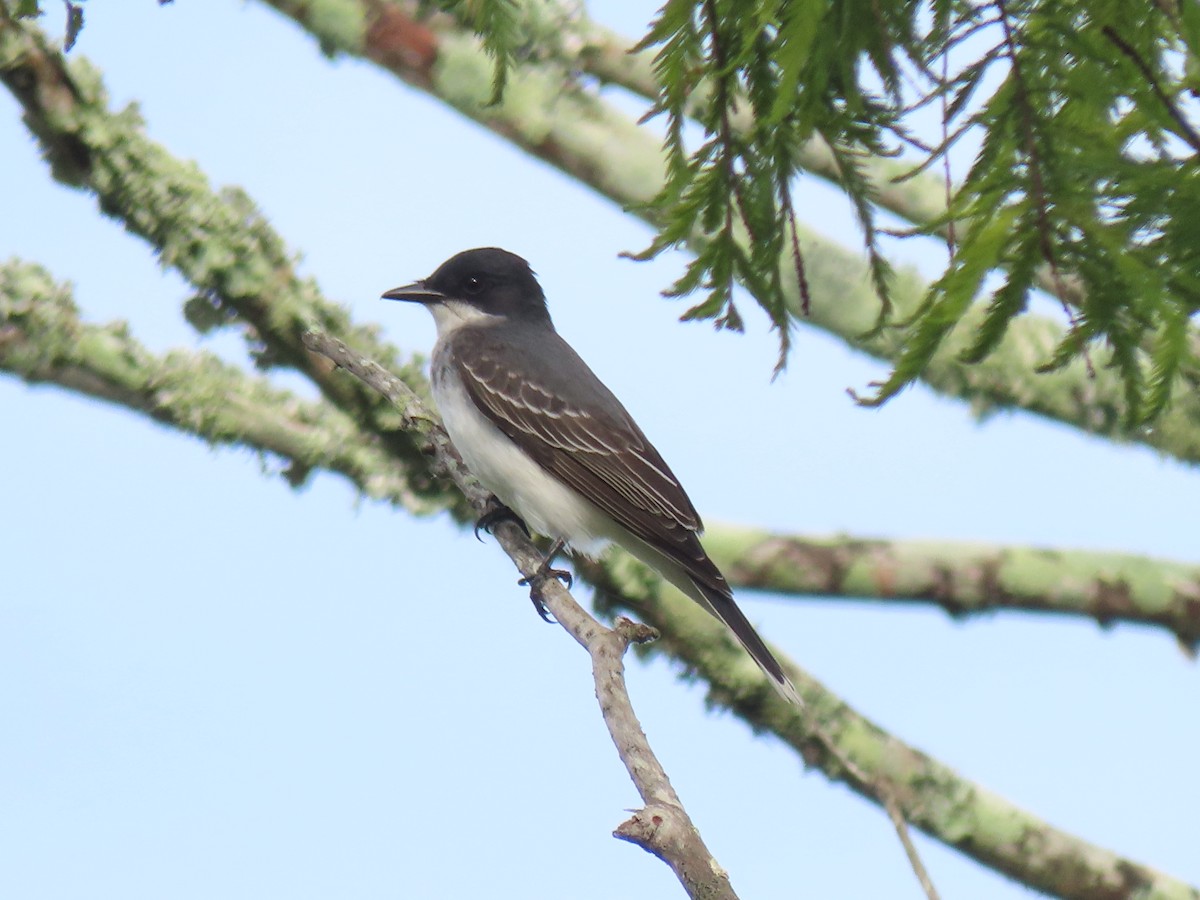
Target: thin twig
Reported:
point(662, 827)
point(797, 256)
point(910, 849)
point(951, 236)
point(1186, 132)
point(882, 791)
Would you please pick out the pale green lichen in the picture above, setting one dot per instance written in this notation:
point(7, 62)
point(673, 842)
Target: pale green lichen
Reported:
point(341, 26)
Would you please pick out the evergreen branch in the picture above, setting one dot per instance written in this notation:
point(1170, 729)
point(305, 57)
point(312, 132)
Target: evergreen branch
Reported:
point(975, 821)
point(966, 579)
point(1185, 131)
point(42, 341)
point(583, 136)
point(725, 154)
point(1033, 162)
point(612, 59)
point(902, 188)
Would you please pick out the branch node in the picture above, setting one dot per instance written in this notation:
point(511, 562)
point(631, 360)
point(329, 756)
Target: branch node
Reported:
point(634, 632)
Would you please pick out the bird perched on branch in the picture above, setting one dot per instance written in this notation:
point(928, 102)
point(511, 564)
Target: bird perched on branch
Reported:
point(537, 428)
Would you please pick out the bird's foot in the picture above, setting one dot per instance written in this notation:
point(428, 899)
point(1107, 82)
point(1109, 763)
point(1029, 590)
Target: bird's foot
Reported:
point(497, 513)
point(538, 578)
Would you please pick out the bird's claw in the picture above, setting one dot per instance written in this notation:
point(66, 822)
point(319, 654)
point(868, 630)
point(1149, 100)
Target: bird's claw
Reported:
point(540, 605)
point(535, 581)
point(546, 572)
point(494, 516)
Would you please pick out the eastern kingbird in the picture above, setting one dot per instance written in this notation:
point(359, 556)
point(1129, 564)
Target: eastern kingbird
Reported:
point(537, 428)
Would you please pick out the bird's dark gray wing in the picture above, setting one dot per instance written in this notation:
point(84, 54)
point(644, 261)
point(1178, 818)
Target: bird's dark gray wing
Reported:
point(563, 416)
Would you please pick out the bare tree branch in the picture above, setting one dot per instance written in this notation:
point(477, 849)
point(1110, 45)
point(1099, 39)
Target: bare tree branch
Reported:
point(933, 797)
point(42, 341)
point(662, 827)
point(967, 578)
point(217, 241)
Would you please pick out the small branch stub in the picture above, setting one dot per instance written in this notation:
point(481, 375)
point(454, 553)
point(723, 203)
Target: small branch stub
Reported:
point(664, 831)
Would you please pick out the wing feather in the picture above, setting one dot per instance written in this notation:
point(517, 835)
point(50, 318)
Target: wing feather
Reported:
point(574, 428)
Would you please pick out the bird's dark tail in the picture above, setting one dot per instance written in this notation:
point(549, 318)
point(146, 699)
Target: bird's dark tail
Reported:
point(724, 608)
point(720, 603)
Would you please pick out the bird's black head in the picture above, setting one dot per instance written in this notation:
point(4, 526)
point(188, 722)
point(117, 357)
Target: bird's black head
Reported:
point(492, 280)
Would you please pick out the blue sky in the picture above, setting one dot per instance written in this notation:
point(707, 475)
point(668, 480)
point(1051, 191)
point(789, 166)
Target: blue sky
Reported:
point(213, 685)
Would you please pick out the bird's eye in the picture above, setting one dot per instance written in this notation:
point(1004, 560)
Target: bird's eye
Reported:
point(473, 284)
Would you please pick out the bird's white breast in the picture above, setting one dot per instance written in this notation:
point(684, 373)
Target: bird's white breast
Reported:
point(547, 505)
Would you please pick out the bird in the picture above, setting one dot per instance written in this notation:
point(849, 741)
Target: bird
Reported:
point(538, 428)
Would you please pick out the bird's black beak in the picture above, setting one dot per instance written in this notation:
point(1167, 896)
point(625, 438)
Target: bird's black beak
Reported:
point(416, 292)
